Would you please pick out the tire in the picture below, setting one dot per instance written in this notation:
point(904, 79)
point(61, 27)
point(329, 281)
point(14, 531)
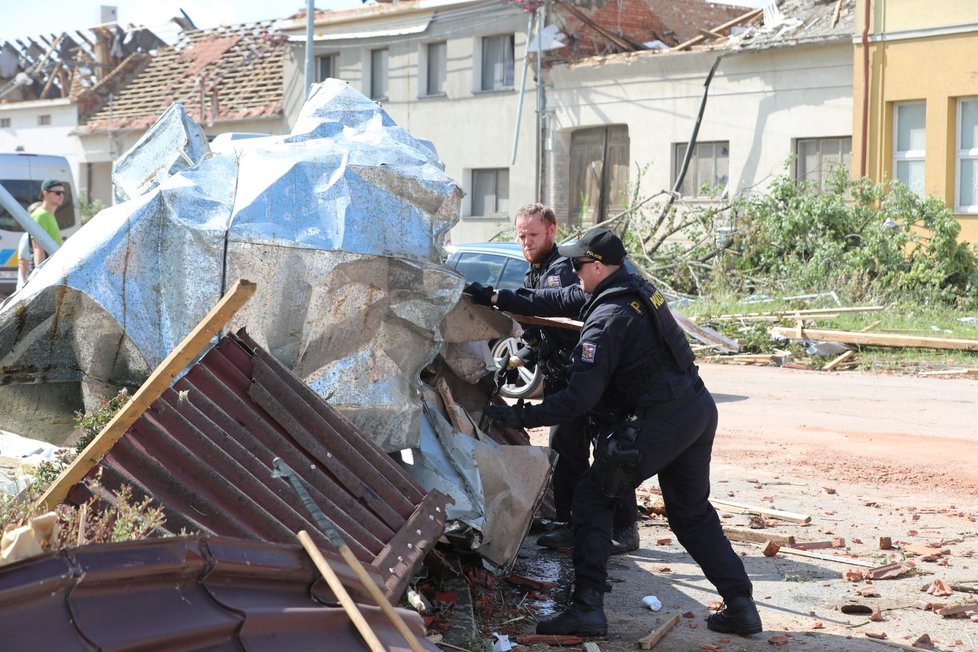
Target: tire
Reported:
point(530, 382)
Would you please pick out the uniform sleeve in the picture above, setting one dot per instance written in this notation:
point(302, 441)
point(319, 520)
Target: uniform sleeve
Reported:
point(593, 361)
point(556, 302)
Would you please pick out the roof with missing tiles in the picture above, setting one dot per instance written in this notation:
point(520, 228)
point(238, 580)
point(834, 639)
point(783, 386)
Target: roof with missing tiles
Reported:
point(222, 74)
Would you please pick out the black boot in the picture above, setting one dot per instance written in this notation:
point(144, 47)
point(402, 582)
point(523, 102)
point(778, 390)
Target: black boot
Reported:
point(738, 617)
point(585, 617)
point(562, 537)
point(625, 540)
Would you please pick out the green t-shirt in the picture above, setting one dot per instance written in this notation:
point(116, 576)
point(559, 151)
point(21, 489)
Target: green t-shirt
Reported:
point(48, 222)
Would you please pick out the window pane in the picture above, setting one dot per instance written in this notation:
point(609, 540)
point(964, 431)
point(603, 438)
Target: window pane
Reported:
point(436, 68)
point(910, 127)
point(969, 124)
point(513, 274)
point(378, 74)
point(481, 268)
point(497, 62)
point(722, 165)
point(483, 192)
point(968, 194)
point(807, 166)
point(704, 166)
point(325, 67)
point(911, 173)
point(502, 191)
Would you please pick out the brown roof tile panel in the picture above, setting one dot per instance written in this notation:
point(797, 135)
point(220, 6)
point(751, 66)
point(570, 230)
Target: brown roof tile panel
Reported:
point(228, 73)
point(204, 451)
point(198, 593)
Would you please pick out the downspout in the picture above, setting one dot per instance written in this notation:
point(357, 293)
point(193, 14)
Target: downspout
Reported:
point(310, 17)
point(864, 135)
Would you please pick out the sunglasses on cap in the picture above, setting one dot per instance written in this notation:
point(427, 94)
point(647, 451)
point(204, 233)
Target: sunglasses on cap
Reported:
point(578, 263)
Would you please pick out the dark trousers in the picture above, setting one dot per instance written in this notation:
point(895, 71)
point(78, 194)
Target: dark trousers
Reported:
point(676, 446)
point(573, 447)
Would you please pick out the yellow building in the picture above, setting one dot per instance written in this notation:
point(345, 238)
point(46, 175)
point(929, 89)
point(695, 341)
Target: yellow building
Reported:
point(916, 119)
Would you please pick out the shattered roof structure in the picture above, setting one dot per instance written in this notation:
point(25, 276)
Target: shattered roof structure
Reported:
point(211, 593)
point(795, 22)
point(222, 74)
point(86, 66)
point(626, 26)
point(204, 451)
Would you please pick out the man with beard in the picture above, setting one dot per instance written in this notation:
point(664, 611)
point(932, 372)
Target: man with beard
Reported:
point(550, 349)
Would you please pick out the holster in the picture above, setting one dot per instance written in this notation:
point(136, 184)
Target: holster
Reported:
point(616, 459)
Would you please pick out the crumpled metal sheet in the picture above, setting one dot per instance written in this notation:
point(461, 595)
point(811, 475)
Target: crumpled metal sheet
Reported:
point(495, 488)
point(174, 143)
point(340, 225)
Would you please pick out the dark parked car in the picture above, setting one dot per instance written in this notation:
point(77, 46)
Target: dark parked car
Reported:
point(501, 265)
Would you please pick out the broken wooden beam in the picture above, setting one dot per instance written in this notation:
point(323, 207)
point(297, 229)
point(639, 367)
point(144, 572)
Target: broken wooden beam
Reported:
point(877, 339)
point(649, 641)
point(758, 536)
point(741, 508)
point(750, 15)
point(814, 555)
point(794, 314)
point(829, 366)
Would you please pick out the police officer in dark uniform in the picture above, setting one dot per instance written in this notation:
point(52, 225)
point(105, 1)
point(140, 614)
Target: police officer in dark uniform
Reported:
point(633, 373)
point(550, 350)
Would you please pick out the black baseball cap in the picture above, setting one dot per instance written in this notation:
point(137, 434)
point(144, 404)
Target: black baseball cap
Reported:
point(599, 244)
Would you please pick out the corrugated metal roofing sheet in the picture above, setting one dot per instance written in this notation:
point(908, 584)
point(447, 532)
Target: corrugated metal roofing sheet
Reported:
point(181, 593)
point(204, 451)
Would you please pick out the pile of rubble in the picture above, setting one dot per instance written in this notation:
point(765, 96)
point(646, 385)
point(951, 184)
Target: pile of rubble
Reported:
point(350, 358)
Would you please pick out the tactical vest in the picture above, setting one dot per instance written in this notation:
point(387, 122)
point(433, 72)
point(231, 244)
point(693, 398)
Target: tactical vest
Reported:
point(552, 345)
point(673, 356)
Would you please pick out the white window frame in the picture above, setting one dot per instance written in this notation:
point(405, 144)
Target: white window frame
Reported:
point(487, 82)
point(499, 208)
point(822, 172)
point(425, 62)
point(679, 150)
point(374, 80)
point(334, 72)
point(910, 155)
point(970, 154)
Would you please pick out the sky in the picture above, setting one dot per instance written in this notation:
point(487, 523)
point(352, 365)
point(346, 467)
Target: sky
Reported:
point(35, 17)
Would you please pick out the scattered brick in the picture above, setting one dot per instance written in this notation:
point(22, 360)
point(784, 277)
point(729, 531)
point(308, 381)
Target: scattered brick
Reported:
point(838, 542)
point(924, 642)
point(709, 646)
point(886, 543)
point(940, 588)
point(817, 625)
point(877, 635)
point(771, 549)
point(663, 542)
point(876, 616)
point(829, 490)
point(867, 591)
point(689, 614)
point(779, 640)
point(888, 571)
point(853, 575)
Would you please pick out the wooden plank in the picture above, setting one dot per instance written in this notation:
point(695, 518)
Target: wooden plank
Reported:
point(829, 366)
point(814, 555)
point(741, 508)
point(878, 339)
point(649, 641)
point(184, 353)
point(758, 536)
point(727, 25)
point(808, 312)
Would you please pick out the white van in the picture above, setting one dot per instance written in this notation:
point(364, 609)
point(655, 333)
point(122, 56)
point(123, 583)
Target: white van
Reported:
point(22, 175)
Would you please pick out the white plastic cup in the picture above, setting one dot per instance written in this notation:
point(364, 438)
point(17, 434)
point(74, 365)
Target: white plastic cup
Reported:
point(652, 602)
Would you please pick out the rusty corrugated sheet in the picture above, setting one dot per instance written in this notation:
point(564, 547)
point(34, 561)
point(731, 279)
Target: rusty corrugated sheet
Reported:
point(204, 451)
point(181, 593)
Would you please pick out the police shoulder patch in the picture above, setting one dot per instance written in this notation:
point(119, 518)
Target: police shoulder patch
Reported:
point(587, 351)
point(553, 281)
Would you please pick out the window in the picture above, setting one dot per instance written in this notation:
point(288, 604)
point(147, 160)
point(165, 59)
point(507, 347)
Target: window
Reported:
point(909, 145)
point(708, 171)
point(326, 67)
point(44, 119)
point(378, 74)
point(4, 123)
point(436, 68)
point(966, 183)
point(599, 160)
point(497, 62)
point(490, 191)
point(818, 156)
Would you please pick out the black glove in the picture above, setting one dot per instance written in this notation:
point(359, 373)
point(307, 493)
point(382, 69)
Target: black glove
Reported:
point(481, 295)
point(511, 416)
